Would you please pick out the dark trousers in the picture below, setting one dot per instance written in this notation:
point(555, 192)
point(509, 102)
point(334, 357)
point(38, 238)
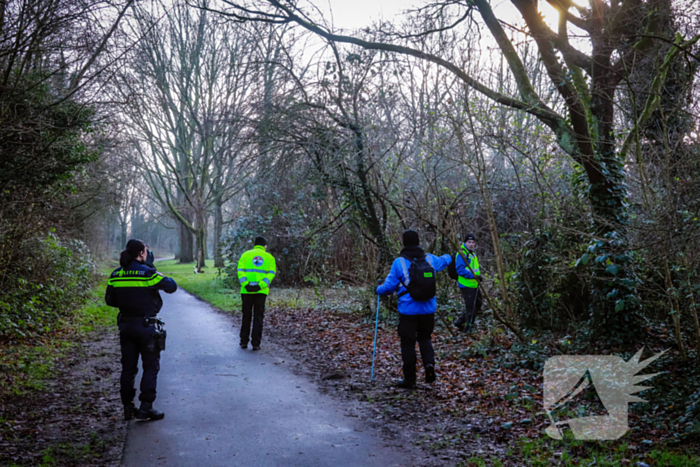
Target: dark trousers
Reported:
point(414, 328)
point(135, 340)
point(253, 310)
point(472, 305)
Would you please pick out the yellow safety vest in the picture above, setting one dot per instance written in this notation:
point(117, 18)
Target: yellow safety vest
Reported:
point(256, 267)
point(474, 263)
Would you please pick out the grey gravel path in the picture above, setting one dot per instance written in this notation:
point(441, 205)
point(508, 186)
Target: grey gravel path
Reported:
point(228, 406)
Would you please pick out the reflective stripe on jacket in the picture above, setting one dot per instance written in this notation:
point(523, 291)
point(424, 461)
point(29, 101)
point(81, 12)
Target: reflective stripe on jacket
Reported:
point(256, 267)
point(134, 289)
point(466, 278)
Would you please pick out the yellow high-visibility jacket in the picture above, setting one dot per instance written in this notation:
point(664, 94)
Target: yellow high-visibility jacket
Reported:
point(256, 267)
point(466, 278)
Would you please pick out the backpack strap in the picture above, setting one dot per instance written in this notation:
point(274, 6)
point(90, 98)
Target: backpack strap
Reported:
point(404, 269)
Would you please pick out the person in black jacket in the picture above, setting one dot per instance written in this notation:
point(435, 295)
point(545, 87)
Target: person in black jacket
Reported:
point(134, 289)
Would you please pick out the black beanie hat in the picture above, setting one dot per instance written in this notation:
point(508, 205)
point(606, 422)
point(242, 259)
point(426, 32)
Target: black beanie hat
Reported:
point(262, 241)
point(410, 238)
point(469, 236)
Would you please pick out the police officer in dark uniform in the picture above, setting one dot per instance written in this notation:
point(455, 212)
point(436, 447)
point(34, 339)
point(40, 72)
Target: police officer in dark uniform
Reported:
point(134, 289)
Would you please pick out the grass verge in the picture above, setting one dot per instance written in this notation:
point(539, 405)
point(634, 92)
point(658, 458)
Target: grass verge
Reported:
point(210, 287)
point(543, 451)
point(56, 390)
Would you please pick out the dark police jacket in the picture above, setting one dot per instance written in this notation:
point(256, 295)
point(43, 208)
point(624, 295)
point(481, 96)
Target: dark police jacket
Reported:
point(134, 289)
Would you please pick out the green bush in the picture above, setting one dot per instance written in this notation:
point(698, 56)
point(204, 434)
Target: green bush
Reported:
point(54, 279)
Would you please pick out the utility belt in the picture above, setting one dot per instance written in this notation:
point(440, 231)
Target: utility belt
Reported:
point(146, 320)
point(158, 341)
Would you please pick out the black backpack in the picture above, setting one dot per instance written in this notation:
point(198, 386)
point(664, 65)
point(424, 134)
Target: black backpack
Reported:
point(452, 268)
point(422, 285)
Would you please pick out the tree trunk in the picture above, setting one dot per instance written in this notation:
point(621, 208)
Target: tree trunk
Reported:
point(697, 326)
point(124, 238)
point(676, 311)
point(205, 237)
point(218, 231)
point(185, 237)
point(201, 240)
point(367, 202)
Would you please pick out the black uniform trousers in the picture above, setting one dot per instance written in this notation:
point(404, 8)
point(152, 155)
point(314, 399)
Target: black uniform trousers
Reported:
point(137, 339)
point(414, 328)
point(253, 310)
point(472, 304)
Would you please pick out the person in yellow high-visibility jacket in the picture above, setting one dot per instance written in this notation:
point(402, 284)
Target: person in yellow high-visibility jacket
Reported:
point(256, 269)
point(468, 282)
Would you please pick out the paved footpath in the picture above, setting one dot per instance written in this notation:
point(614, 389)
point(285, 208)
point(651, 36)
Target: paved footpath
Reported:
point(225, 406)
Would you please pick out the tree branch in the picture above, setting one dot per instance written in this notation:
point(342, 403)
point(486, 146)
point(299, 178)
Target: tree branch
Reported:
point(654, 98)
point(533, 105)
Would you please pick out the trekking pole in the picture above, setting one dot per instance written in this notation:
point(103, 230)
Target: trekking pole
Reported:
point(376, 324)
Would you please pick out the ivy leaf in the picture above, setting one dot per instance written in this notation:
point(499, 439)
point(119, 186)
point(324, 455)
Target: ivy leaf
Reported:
point(602, 258)
point(583, 260)
point(613, 269)
point(620, 305)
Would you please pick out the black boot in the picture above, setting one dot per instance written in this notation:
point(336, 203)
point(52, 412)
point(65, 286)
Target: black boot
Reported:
point(147, 412)
point(406, 384)
point(430, 373)
point(129, 410)
point(459, 323)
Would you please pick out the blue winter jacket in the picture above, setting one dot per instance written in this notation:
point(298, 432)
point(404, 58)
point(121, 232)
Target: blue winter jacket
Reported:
point(399, 273)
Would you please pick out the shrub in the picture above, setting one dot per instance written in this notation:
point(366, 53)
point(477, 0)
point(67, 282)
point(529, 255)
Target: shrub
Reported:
point(38, 293)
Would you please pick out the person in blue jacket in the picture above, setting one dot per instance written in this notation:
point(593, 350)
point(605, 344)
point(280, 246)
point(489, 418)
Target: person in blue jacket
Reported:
point(416, 319)
point(134, 289)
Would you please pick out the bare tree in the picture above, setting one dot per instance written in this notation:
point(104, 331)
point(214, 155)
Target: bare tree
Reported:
point(187, 88)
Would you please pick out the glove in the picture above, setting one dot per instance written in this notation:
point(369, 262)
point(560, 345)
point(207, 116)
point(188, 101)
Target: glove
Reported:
point(253, 288)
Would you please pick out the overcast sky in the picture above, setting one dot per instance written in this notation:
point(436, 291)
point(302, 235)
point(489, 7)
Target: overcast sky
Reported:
point(355, 14)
